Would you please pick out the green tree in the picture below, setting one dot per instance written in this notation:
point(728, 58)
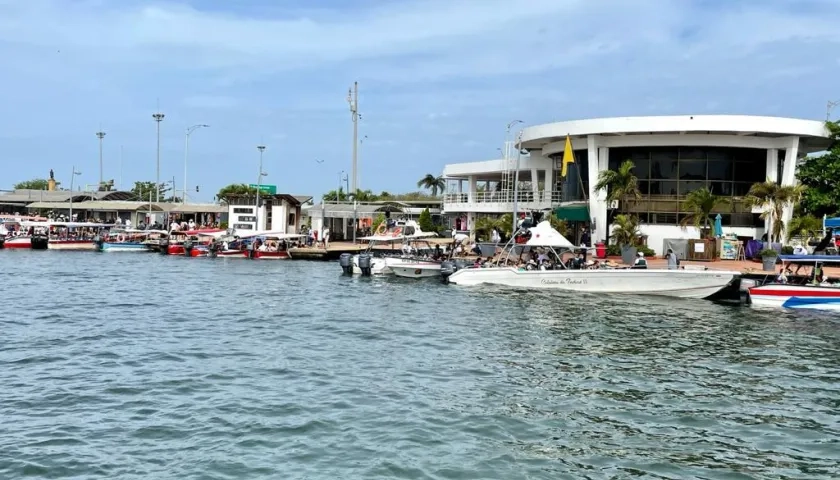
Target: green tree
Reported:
point(626, 231)
point(379, 220)
point(385, 195)
point(619, 185)
point(560, 225)
point(333, 196)
point(700, 204)
point(425, 221)
point(34, 184)
point(433, 183)
point(772, 198)
point(806, 226)
point(143, 190)
point(236, 189)
point(364, 196)
point(821, 177)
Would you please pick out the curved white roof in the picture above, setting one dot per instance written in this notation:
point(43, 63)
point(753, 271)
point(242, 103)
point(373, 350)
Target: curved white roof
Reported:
point(538, 135)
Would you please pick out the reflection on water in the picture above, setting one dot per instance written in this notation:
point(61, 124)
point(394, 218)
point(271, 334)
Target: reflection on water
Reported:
point(142, 366)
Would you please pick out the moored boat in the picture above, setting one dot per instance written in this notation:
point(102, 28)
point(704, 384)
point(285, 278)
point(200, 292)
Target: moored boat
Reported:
point(127, 240)
point(817, 293)
point(537, 263)
point(367, 263)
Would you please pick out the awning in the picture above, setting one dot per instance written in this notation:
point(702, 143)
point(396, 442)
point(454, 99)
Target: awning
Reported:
point(578, 212)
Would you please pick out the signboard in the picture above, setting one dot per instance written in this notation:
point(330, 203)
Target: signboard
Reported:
point(265, 189)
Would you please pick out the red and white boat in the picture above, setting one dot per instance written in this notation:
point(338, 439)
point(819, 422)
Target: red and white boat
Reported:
point(269, 246)
point(61, 235)
point(23, 241)
point(817, 295)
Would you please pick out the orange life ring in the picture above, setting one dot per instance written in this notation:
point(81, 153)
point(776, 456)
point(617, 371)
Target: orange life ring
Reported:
point(381, 229)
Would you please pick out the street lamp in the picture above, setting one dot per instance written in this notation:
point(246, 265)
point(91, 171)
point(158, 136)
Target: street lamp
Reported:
point(158, 118)
point(829, 107)
point(72, 178)
point(189, 132)
point(338, 192)
point(516, 179)
point(100, 135)
point(262, 174)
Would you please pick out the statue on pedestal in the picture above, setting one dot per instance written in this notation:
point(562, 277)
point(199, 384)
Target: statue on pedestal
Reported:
point(52, 175)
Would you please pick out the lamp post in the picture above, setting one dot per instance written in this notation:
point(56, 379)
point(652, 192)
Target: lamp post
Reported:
point(158, 118)
point(100, 135)
point(338, 192)
point(516, 179)
point(829, 107)
point(72, 178)
point(507, 147)
point(353, 100)
point(189, 132)
point(262, 174)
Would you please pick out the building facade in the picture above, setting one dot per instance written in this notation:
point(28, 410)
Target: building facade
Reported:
point(277, 213)
point(673, 156)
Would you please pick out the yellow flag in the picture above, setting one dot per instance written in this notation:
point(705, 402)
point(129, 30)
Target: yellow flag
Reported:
point(568, 156)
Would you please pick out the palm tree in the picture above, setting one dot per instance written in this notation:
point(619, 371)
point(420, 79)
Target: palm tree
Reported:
point(626, 231)
point(701, 203)
point(619, 184)
point(363, 196)
point(805, 226)
point(772, 198)
point(433, 183)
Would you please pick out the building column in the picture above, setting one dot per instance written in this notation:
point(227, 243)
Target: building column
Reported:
point(471, 224)
point(473, 188)
point(789, 179)
point(549, 185)
point(597, 161)
point(772, 175)
point(535, 184)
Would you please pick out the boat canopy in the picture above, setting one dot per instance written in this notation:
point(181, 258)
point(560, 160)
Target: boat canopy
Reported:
point(807, 259)
point(65, 224)
point(268, 233)
point(543, 235)
point(831, 222)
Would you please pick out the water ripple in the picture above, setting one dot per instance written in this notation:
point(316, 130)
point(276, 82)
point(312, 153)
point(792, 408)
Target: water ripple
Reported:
point(143, 366)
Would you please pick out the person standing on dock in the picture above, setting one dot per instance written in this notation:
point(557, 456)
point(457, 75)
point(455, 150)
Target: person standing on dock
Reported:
point(673, 261)
point(326, 238)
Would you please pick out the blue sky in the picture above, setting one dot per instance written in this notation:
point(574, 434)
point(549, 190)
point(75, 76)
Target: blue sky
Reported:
point(439, 79)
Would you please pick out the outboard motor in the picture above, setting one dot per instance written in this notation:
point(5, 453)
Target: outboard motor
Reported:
point(447, 268)
point(98, 241)
point(213, 249)
point(365, 261)
point(164, 246)
point(346, 262)
point(188, 248)
point(40, 242)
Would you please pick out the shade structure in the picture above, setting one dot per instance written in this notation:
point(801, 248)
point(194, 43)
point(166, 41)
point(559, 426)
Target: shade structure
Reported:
point(718, 226)
point(573, 212)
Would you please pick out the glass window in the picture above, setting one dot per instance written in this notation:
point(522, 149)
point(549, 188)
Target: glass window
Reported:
point(690, 186)
point(663, 187)
point(719, 154)
point(644, 187)
point(720, 169)
point(692, 169)
point(663, 163)
point(692, 154)
point(750, 172)
point(666, 218)
point(723, 189)
point(740, 189)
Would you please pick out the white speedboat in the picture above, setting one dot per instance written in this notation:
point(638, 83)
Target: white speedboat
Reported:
point(366, 263)
point(553, 273)
point(413, 267)
point(816, 295)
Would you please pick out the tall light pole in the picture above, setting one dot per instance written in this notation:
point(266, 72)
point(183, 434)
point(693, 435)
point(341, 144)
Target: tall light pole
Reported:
point(516, 180)
point(261, 148)
point(829, 107)
point(189, 132)
point(353, 100)
point(100, 135)
point(340, 180)
point(158, 118)
point(72, 178)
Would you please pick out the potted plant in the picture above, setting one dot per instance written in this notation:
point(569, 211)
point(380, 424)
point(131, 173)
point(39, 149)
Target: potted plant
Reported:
point(768, 259)
point(626, 235)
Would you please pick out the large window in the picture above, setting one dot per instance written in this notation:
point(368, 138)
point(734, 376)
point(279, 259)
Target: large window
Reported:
point(667, 174)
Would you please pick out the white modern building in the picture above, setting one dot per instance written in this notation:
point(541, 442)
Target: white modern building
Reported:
point(277, 212)
point(674, 155)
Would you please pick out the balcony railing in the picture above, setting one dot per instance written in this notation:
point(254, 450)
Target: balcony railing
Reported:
point(502, 197)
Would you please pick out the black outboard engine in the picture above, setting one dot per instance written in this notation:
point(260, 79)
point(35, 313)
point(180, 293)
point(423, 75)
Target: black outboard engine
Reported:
point(98, 241)
point(821, 247)
point(40, 241)
point(163, 244)
point(213, 249)
point(447, 268)
point(2, 242)
point(188, 248)
point(346, 262)
point(365, 261)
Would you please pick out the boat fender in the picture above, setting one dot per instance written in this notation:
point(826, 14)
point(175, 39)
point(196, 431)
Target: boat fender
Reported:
point(397, 231)
point(381, 229)
point(346, 262)
point(121, 238)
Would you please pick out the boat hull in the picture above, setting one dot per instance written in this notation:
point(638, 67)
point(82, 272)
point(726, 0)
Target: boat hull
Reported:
point(810, 297)
point(669, 283)
point(124, 247)
point(74, 245)
point(257, 255)
point(18, 242)
point(405, 270)
point(378, 266)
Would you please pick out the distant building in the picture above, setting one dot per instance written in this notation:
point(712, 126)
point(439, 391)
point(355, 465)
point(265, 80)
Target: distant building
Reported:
point(674, 155)
point(279, 212)
point(338, 216)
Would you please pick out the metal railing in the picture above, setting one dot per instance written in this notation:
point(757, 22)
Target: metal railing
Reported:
point(502, 197)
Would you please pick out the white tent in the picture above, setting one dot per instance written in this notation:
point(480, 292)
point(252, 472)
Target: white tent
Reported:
point(544, 236)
